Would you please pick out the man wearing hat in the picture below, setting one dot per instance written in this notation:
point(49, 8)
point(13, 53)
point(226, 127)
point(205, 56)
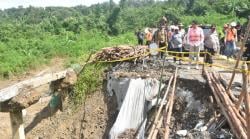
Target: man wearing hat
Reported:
point(181, 30)
point(176, 42)
point(212, 44)
point(161, 39)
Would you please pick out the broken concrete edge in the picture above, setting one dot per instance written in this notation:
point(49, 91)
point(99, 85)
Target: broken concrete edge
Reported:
point(23, 94)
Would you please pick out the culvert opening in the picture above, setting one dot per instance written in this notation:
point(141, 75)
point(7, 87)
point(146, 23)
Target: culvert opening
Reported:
point(193, 106)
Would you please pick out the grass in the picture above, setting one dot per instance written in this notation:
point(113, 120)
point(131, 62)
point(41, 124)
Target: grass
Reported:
point(19, 55)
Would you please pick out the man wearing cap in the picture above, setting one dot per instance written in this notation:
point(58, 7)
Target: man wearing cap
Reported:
point(212, 44)
point(181, 30)
point(195, 38)
point(161, 39)
point(176, 41)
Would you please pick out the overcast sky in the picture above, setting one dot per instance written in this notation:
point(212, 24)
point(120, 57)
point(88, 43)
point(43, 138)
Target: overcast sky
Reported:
point(43, 3)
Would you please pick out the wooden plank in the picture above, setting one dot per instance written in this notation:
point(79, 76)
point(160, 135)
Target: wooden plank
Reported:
point(13, 90)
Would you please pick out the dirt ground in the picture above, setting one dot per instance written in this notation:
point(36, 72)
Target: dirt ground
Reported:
point(89, 121)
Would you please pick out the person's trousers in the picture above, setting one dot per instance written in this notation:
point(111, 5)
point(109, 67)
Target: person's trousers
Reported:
point(177, 54)
point(230, 48)
point(209, 58)
point(148, 43)
point(194, 53)
point(140, 41)
point(162, 44)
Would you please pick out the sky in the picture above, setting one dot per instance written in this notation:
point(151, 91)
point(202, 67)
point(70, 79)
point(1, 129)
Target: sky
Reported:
point(4, 4)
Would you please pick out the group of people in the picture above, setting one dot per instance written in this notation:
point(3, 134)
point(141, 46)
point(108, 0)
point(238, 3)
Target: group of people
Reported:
point(175, 38)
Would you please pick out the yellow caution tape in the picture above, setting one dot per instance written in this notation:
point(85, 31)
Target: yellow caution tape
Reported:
point(182, 58)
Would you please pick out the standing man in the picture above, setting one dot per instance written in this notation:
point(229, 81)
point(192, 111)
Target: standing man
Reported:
point(230, 40)
point(170, 33)
point(140, 37)
point(176, 41)
point(181, 30)
point(195, 38)
point(149, 37)
point(161, 39)
point(212, 44)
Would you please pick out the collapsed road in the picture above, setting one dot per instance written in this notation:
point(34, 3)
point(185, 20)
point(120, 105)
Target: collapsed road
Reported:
point(186, 107)
point(193, 110)
point(157, 98)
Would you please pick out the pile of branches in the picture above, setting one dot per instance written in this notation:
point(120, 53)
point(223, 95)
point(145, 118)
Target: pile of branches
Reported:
point(120, 52)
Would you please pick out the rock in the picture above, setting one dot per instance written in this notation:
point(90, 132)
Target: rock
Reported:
point(182, 133)
point(199, 125)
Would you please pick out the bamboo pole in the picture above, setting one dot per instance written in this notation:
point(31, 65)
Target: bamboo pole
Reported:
point(241, 98)
point(204, 61)
point(247, 101)
point(234, 99)
point(157, 128)
point(240, 122)
point(223, 109)
point(239, 55)
point(160, 109)
point(229, 101)
point(170, 107)
point(160, 123)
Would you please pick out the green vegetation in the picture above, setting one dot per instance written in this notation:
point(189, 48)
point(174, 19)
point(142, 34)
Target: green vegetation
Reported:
point(32, 36)
point(88, 82)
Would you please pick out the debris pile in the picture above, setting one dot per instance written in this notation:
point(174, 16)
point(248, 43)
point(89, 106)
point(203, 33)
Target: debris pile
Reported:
point(119, 52)
point(186, 107)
